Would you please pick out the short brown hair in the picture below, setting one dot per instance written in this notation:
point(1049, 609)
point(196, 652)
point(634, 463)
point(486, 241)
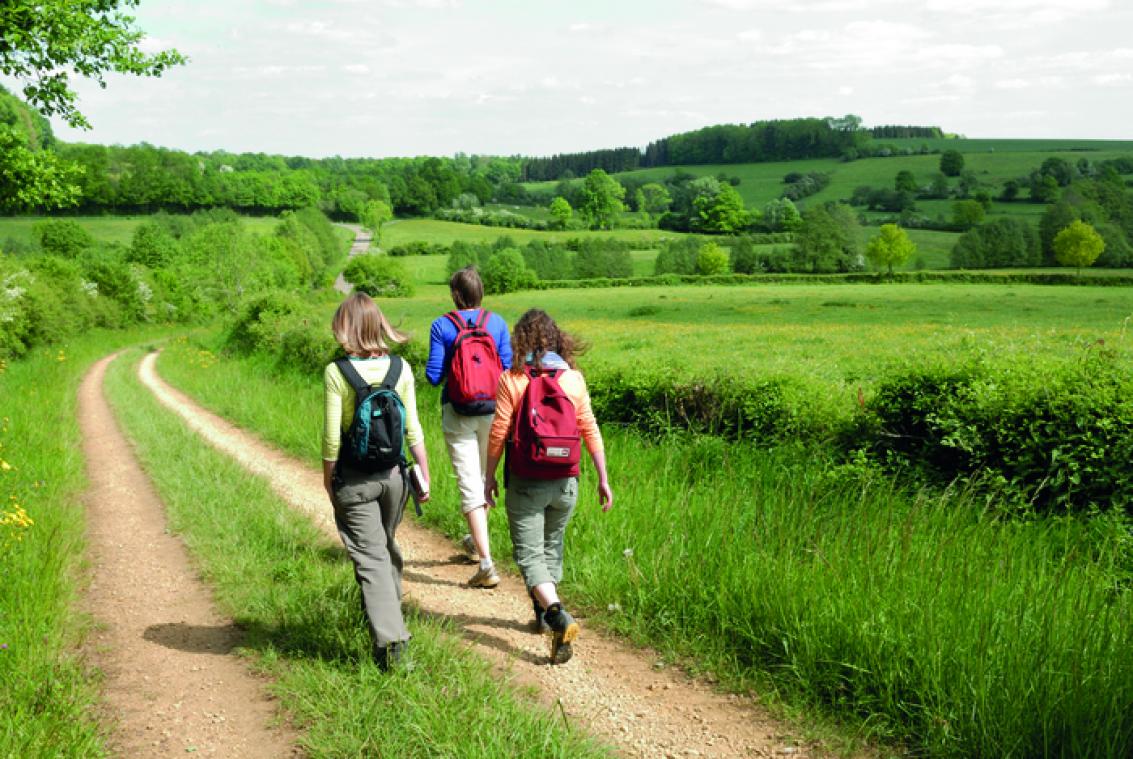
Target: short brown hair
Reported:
point(467, 288)
point(536, 334)
point(362, 329)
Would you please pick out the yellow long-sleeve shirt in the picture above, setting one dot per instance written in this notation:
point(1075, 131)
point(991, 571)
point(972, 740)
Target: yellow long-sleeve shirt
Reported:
point(340, 401)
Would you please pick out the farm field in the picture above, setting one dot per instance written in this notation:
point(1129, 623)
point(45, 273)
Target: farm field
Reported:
point(839, 333)
point(993, 161)
point(112, 229)
point(438, 232)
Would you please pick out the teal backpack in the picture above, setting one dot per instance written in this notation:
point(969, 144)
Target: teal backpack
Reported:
point(375, 439)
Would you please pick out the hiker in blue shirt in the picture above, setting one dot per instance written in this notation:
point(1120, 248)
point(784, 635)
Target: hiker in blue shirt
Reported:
point(466, 424)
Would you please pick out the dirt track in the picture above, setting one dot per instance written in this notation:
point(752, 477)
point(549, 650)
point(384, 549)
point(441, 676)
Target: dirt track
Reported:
point(613, 689)
point(172, 684)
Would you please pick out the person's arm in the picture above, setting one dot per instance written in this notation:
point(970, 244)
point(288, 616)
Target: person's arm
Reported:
point(592, 435)
point(497, 437)
point(332, 424)
point(503, 342)
point(414, 436)
point(435, 366)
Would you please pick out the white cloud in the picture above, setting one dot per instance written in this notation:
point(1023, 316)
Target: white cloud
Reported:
point(1111, 80)
point(1012, 84)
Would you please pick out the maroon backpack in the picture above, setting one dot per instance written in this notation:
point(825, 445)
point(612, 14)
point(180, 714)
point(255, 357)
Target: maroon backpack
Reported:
point(474, 369)
point(545, 440)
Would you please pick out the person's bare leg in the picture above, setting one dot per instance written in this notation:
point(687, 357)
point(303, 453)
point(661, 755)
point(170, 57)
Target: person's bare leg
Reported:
point(478, 527)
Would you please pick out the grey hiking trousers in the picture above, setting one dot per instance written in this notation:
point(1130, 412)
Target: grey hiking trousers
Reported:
point(367, 510)
point(538, 512)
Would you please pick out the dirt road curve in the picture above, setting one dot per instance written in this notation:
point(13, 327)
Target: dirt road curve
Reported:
point(173, 686)
point(613, 689)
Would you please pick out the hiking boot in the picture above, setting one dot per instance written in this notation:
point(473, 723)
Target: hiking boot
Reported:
point(395, 656)
point(563, 632)
point(469, 546)
point(485, 578)
point(539, 625)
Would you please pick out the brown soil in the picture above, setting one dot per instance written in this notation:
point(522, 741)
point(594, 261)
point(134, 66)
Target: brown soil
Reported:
point(172, 684)
point(618, 692)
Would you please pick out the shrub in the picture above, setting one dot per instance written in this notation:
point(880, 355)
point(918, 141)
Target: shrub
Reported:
point(711, 259)
point(379, 276)
point(62, 237)
point(506, 272)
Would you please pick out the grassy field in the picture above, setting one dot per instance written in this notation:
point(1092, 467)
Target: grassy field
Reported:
point(839, 334)
point(446, 232)
point(993, 161)
point(913, 616)
point(118, 229)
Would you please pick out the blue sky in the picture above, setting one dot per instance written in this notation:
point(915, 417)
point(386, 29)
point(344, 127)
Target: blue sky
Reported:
point(415, 77)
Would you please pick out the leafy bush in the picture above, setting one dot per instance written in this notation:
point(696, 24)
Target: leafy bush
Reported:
point(62, 237)
point(506, 272)
point(711, 259)
point(379, 276)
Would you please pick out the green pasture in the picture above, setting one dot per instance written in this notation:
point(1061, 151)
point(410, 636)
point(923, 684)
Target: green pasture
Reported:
point(842, 334)
point(993, 161)
point(115, 229)
point(438, 232)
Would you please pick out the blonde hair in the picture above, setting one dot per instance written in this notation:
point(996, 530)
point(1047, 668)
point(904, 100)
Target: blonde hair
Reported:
point(362, 329)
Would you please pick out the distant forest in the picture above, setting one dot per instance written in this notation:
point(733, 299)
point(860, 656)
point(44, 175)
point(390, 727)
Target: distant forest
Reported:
point(761, 141)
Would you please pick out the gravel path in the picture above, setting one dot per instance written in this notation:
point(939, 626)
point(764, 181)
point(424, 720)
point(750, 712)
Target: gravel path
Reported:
point(362, 238)
point(620, 693)
point(172, 684)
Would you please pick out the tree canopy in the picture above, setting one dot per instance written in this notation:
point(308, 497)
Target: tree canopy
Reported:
point(44, 42)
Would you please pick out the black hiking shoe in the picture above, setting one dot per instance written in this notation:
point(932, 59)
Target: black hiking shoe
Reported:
point(395, 656)
point(539, 625)
point(563, 632)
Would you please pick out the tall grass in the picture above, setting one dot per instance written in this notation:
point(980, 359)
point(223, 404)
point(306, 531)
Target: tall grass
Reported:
point(916, 616)
point(46, 692)
point(293, 592)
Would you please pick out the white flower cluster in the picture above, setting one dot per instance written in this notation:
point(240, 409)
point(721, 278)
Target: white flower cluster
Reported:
point(90, 288)
point(12, 288)
point(145, 292)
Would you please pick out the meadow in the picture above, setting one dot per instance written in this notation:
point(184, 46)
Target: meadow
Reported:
point(918, 616)
point(109, 229)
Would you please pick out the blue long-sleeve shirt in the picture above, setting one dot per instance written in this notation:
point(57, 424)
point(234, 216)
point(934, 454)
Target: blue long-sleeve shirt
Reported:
point(443, 334)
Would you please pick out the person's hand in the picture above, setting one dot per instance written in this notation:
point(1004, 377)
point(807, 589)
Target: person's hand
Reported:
point(605, 496)
point(491, 491)
point(425, 492)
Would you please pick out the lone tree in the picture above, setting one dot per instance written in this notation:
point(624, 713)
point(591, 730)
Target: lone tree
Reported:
point(374, 214)
point(561, 212)
point(602, 197)
point(892, 247)
point(1078, 245)
point(951, 163)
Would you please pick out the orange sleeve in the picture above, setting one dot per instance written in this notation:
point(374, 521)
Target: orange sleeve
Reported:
point(507, 393)
point(587, 424)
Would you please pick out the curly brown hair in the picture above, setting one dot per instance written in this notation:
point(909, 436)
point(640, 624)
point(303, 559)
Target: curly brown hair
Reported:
point(536, 334)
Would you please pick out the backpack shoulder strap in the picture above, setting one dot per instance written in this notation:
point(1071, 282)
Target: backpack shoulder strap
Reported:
point(454, 317)
point(361, 386)
point(482, 319)
point(394, 372)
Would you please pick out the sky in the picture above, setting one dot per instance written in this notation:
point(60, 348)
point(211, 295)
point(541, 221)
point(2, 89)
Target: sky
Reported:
point(382, 78)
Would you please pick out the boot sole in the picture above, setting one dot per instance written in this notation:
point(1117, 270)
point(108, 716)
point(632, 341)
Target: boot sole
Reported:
point(561, 648)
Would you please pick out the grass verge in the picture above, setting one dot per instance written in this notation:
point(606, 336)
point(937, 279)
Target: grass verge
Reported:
point(292, 590)
point(919, 618)
point(47, 696)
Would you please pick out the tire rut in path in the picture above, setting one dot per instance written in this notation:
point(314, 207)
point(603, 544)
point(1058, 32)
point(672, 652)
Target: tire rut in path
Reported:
point(610, 687)
point(172, 685)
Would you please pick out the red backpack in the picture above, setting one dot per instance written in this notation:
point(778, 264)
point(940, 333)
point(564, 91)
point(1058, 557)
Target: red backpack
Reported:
point(475, 368)
point(545, 441)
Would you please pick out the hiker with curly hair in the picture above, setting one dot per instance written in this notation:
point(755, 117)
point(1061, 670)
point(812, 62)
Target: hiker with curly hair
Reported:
point(543, 416)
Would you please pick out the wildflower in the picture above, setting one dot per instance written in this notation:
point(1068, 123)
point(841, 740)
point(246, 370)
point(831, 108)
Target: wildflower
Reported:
point(5, 466)
point(628, 553)
point(61, 357)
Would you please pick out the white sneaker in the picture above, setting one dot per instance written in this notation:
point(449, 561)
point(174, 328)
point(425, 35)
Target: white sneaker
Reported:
point(485, 578)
